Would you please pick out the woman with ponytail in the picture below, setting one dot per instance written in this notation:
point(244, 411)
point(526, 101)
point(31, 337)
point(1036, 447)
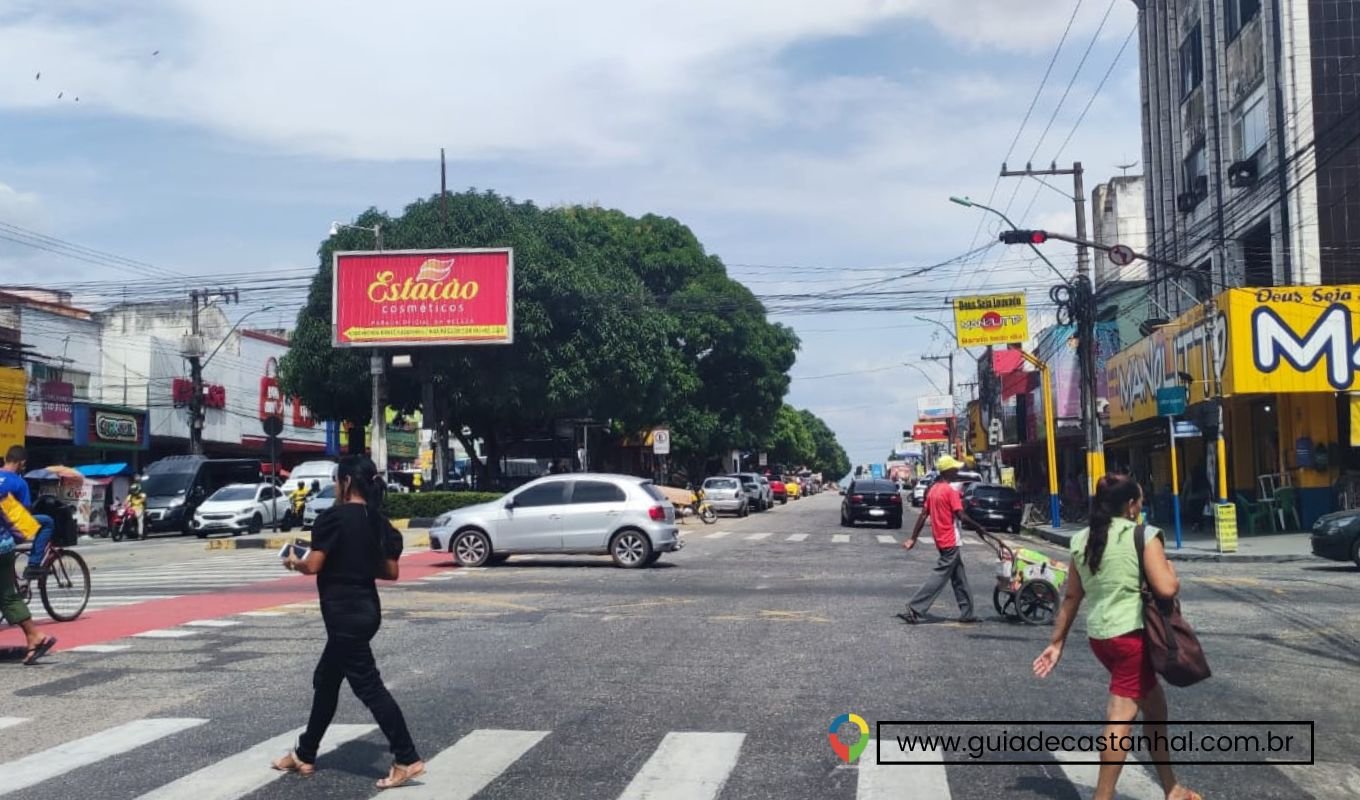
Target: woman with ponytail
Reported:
point(353, 544)
point(1105, 570)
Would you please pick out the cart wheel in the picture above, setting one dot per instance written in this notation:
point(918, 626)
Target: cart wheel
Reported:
point(1004, 601)
point(1037, 602)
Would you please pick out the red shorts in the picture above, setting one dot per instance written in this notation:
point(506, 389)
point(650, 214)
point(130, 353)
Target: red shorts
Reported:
point(1131, 673)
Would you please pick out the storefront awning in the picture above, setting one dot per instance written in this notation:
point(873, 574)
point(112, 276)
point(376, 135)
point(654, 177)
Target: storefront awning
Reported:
point(104, 470)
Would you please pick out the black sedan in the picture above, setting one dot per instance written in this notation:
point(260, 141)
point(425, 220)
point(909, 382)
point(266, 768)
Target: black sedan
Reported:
point(872, 500)
point(993, 506)
point(1337, 536)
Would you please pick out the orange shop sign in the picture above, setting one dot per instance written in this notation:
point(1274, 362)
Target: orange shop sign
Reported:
point(930, 432)
point(423, 297)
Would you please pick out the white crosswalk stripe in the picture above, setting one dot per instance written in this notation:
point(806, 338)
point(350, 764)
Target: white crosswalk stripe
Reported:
point(884, 538)
point(100, 648)
point(757, 536)
point(686, 766)
point(463, 770)
point(1135, 782)
point(840, 538)
point(249, 770)
point(39, 767)
point(924, 778)
point(796, 537)
point(718, 535)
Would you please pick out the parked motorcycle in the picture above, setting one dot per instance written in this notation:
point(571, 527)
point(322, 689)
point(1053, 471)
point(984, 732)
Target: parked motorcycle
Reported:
point(699, 507)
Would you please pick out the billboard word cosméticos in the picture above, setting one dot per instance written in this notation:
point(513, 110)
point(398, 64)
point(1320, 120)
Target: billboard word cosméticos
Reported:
point(423, 297)
point(989, 319)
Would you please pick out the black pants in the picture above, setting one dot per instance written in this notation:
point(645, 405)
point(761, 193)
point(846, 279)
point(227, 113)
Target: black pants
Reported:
point(948, 570)
point(348, 656)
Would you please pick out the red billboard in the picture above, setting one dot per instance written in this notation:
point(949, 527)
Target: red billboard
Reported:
point(423, 297)
point(930, 432)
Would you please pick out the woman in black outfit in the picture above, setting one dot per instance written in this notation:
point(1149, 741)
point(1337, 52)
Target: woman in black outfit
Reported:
point(352, 545)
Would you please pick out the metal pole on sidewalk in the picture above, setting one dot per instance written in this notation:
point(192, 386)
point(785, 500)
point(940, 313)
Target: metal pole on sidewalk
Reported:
point(1175, 482)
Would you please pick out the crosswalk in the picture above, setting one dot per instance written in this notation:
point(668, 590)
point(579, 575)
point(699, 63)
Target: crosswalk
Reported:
point(123, 586)
point(682, 765)
point(859, 537)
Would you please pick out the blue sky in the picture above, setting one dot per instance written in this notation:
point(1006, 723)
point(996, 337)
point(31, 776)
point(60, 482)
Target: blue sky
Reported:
point(810, 148)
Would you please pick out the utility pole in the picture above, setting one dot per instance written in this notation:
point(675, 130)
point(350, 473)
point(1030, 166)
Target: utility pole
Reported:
point(1083, 315)
point(953, 421)
point(194, 352)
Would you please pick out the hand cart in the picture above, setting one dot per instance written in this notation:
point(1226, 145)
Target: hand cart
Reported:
point(1028, 583)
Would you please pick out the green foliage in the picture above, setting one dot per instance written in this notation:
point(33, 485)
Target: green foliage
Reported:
point(616, 317)
point(431, 504)
point(829, 458)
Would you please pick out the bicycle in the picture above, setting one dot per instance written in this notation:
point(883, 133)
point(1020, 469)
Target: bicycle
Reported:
point(64, 585)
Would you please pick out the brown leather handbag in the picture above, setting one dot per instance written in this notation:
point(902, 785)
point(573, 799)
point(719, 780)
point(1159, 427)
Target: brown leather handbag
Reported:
point(1171, 643)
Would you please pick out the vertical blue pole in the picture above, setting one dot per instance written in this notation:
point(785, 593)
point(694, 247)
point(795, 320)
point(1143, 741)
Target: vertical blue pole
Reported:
point(1053, 510)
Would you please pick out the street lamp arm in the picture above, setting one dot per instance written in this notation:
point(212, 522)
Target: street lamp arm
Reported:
point(925, 374)
point(230, 332)
point(963, 201)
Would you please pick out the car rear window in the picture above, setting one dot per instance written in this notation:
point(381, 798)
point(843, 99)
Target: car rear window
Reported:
point(597, 492)
point(653, 492)
point(875, 486)
point(995, 492)
point(720, 483)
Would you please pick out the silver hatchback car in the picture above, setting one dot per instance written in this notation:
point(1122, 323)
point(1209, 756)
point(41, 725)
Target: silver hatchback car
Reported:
point(625, 517)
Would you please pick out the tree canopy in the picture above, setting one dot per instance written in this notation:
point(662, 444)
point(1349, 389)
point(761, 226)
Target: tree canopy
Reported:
point(617, 318)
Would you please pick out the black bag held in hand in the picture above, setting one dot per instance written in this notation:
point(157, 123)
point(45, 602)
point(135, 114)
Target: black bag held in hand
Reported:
point(1171, 643)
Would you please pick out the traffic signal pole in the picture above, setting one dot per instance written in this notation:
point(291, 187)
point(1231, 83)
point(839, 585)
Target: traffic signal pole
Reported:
point(1084, 315)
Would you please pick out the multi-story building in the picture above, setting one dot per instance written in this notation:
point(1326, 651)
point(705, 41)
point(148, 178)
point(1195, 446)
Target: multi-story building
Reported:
point(1251, 115)
point(1251, 131)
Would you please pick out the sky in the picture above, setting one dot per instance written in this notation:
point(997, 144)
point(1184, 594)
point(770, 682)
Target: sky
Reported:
point(811, 146)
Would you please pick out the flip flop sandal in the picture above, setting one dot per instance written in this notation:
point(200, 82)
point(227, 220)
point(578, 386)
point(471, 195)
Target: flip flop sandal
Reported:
point(400, 775)
point(291, 763)
point(39, 650)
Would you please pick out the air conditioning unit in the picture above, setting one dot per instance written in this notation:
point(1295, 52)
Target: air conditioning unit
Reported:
point(1242, 173)
point(1201, 187)
point(1186, 202)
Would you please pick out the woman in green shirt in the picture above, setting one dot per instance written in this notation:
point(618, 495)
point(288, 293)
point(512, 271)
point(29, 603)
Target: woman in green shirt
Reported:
point(1105, 571)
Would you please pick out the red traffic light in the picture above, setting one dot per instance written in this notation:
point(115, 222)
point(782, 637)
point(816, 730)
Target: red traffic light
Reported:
point(1024, 237)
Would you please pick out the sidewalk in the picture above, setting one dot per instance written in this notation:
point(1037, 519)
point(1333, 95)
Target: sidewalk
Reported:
point(1276, 548)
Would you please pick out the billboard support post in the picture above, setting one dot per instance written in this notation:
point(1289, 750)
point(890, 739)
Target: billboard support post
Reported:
point(378, 427)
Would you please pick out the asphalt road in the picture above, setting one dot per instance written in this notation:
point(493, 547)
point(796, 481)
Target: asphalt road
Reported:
point(715, 674)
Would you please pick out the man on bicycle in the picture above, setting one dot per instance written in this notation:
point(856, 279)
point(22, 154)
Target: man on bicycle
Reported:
point(12, 606)
point(12, 483)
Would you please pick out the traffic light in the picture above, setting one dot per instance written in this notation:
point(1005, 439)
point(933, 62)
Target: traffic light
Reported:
point(1024, 237)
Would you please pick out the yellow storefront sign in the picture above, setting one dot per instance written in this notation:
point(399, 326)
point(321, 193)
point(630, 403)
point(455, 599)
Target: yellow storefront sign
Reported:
point(1225, 527)
point(13, 388)
point(1278, 340)
point(982, 320)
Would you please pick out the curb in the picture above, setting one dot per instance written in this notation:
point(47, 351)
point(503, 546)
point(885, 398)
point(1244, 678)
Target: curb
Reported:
point(1180, 555)
point(277, 542)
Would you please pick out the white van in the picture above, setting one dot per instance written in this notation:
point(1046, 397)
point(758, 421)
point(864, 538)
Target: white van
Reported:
point(323, 472)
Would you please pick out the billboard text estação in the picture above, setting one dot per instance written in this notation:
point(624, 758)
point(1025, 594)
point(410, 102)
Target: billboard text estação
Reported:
point(423, 297)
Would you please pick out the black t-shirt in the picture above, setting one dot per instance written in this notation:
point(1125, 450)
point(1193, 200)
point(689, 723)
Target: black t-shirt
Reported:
point(354, 553)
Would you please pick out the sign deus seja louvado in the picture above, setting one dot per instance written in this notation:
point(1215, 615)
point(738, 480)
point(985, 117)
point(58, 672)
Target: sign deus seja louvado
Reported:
point(423, 297)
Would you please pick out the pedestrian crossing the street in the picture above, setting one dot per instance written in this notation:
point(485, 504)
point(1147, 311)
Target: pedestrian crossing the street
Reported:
point(679, 765)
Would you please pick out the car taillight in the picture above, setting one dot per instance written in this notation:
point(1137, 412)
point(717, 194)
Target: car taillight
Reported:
point(897, 498)
point(657, 513)
point(857, 498)
point(1019, 506)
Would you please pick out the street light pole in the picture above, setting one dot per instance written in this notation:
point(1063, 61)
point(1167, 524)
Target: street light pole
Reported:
point(377, 363)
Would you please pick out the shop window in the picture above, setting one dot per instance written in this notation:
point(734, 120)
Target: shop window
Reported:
point(1203, 279)
point(1192, 62)
point(1250, 126)
point(1257, 267)
point(1196, 174)
point(1239, 13)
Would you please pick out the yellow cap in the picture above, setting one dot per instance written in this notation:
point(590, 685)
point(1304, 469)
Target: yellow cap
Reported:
point(947, 462)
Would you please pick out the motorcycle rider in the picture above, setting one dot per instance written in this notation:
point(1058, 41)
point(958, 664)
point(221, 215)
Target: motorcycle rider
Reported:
point(136, 502)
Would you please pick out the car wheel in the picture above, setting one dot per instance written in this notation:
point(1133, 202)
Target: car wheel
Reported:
point(1355, 552)
point(845, 521)
point(256, 523)
point(471, 549)
point(743, 511)
point(895, 522)
point(630, 549)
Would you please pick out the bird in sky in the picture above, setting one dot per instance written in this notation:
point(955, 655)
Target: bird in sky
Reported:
point(59, 94)
point(39, 75)
point(156, 53)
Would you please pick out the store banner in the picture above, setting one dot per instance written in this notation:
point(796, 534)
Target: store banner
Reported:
point(13, 394)
point(991, 319)
point(1277, 340)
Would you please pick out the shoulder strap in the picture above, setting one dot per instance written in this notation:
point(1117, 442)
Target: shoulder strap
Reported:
point(1138, 536)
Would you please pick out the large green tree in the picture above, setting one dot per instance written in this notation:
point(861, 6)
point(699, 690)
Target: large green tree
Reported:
point(618, 318)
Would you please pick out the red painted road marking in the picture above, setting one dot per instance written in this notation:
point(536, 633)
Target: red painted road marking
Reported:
point(116, 623)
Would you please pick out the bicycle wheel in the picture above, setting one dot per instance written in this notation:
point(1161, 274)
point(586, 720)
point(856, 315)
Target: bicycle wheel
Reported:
point(708, 515)
point(65, 587)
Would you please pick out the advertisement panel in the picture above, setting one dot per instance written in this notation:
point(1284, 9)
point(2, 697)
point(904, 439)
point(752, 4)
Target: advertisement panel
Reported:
point(937, 407)
point(1277, 340)
point(423, 297)
point(988, 319)
point(926, 432)
point(13, 386)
